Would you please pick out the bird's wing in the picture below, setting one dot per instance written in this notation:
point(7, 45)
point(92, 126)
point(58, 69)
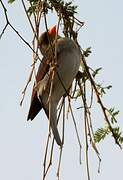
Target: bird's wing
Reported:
point(43, 69)
point(36, 105)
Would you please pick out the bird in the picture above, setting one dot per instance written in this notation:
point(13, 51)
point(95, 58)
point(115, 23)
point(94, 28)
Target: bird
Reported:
point(65, 69)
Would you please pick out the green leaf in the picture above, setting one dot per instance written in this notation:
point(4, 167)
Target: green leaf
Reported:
point(102, 90)
point(31, 10)
point(87, 52)
point(100, 134)
point(113, 114)
point(10, 1)
point(109, 87)
point(118, 136)
point(96, 72)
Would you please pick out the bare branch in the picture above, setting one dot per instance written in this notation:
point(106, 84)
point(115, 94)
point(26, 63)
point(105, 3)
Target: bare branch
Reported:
point(78, 138)
point(28, 17)
point(100, 101)
point(3, 30)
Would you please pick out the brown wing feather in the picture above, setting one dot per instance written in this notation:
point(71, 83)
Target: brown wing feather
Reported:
point(36, 105)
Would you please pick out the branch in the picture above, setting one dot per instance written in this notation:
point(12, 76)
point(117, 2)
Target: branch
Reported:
point(14, 29)
point(99, 100)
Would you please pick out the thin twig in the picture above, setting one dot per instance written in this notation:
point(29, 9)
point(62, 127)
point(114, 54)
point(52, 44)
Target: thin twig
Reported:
point(86, 132)
point(3, 30)
point(50, 161)
point(50, 43)
point(78, 138)
point(61, 148)
point(86, 150)
point(89, 123)
point(59, 162)
point(51, 153)
point(100, 101)
point(13, 28)
point(28, 17)
point(45, 156)
point(25, 88)
point(63, 129)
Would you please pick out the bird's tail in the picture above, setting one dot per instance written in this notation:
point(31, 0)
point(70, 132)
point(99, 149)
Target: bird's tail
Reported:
point(53, 122)
point(56, 133)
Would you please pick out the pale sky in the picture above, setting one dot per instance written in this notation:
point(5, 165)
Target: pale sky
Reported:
point(22, 142)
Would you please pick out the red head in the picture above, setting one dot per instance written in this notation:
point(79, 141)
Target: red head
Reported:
point(45, 37)
point(52, 31)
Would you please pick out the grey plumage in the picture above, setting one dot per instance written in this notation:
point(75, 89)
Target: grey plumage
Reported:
point(68, 62)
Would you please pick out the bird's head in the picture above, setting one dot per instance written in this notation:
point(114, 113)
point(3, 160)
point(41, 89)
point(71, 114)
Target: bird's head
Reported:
point(45, 38)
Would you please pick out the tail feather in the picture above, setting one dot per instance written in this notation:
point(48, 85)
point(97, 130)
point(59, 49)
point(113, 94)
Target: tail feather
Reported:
point(35, 107)
point(53, 123)
point(56, 133)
